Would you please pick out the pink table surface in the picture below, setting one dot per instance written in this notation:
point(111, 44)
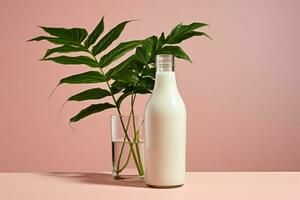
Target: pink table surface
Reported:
point(199, 185)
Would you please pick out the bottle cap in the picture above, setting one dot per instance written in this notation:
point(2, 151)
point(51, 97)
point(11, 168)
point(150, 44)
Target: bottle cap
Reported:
point(165, 62)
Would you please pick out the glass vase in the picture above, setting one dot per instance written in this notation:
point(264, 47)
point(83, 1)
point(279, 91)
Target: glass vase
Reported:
point(127, 146)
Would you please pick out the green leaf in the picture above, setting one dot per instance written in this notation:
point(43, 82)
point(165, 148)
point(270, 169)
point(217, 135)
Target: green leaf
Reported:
point(176, 51)
point(145, 53)
point(109, 38)
point(150, 43)
point(191, 34)
point(76, 35)
point(118, 86)
point(86, 77)
point(78, 60)
point(64, 49)
point(122, 97)
point(54, 40)
point(95, 34)
point(149, 72)
point(126, 76)
point(95, 93)
point(124, 64)
point(115, 90)
point(146, 83)
point(117, 52)
point(182, 32)
point(144, 86)
point(196, 33)
point(161, 41)
point(129, 64)
point(92, 109)
point(141, 90)
point(132, 90)
point(137, 90)
point(136, 66)
point(142, 55)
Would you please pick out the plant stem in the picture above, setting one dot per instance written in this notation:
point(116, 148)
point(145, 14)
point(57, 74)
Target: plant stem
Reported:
point(123, 126)
point(122, 149)
point(136, 134)
point(120, 115)
point(126, 163)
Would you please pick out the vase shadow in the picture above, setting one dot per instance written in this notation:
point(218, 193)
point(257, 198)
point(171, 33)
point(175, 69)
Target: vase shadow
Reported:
point(96, 178)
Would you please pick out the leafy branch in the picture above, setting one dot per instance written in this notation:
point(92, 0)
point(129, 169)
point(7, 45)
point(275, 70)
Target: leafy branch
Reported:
point(134, 75)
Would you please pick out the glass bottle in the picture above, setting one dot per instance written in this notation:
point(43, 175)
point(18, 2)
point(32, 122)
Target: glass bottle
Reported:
point(165, 129)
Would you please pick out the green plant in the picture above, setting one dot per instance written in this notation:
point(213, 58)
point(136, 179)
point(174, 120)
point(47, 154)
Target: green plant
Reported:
point(134, 75)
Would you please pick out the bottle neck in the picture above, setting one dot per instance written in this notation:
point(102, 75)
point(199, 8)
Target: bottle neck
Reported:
point(165, 82)
point(165, 63)
point(165, 68)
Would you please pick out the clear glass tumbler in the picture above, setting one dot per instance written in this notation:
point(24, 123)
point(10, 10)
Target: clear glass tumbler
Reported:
point(127, 146)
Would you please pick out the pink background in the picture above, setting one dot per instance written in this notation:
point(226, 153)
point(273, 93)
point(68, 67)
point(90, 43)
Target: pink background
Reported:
point(242, 90)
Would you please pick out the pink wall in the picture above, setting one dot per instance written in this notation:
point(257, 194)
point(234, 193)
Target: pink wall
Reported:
point(242, 91)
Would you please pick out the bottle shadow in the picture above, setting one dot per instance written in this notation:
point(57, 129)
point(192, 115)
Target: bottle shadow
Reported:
point(96, 178)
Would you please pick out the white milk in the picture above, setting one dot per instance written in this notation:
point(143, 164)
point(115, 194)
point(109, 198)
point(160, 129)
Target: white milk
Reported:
point(165, 132)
